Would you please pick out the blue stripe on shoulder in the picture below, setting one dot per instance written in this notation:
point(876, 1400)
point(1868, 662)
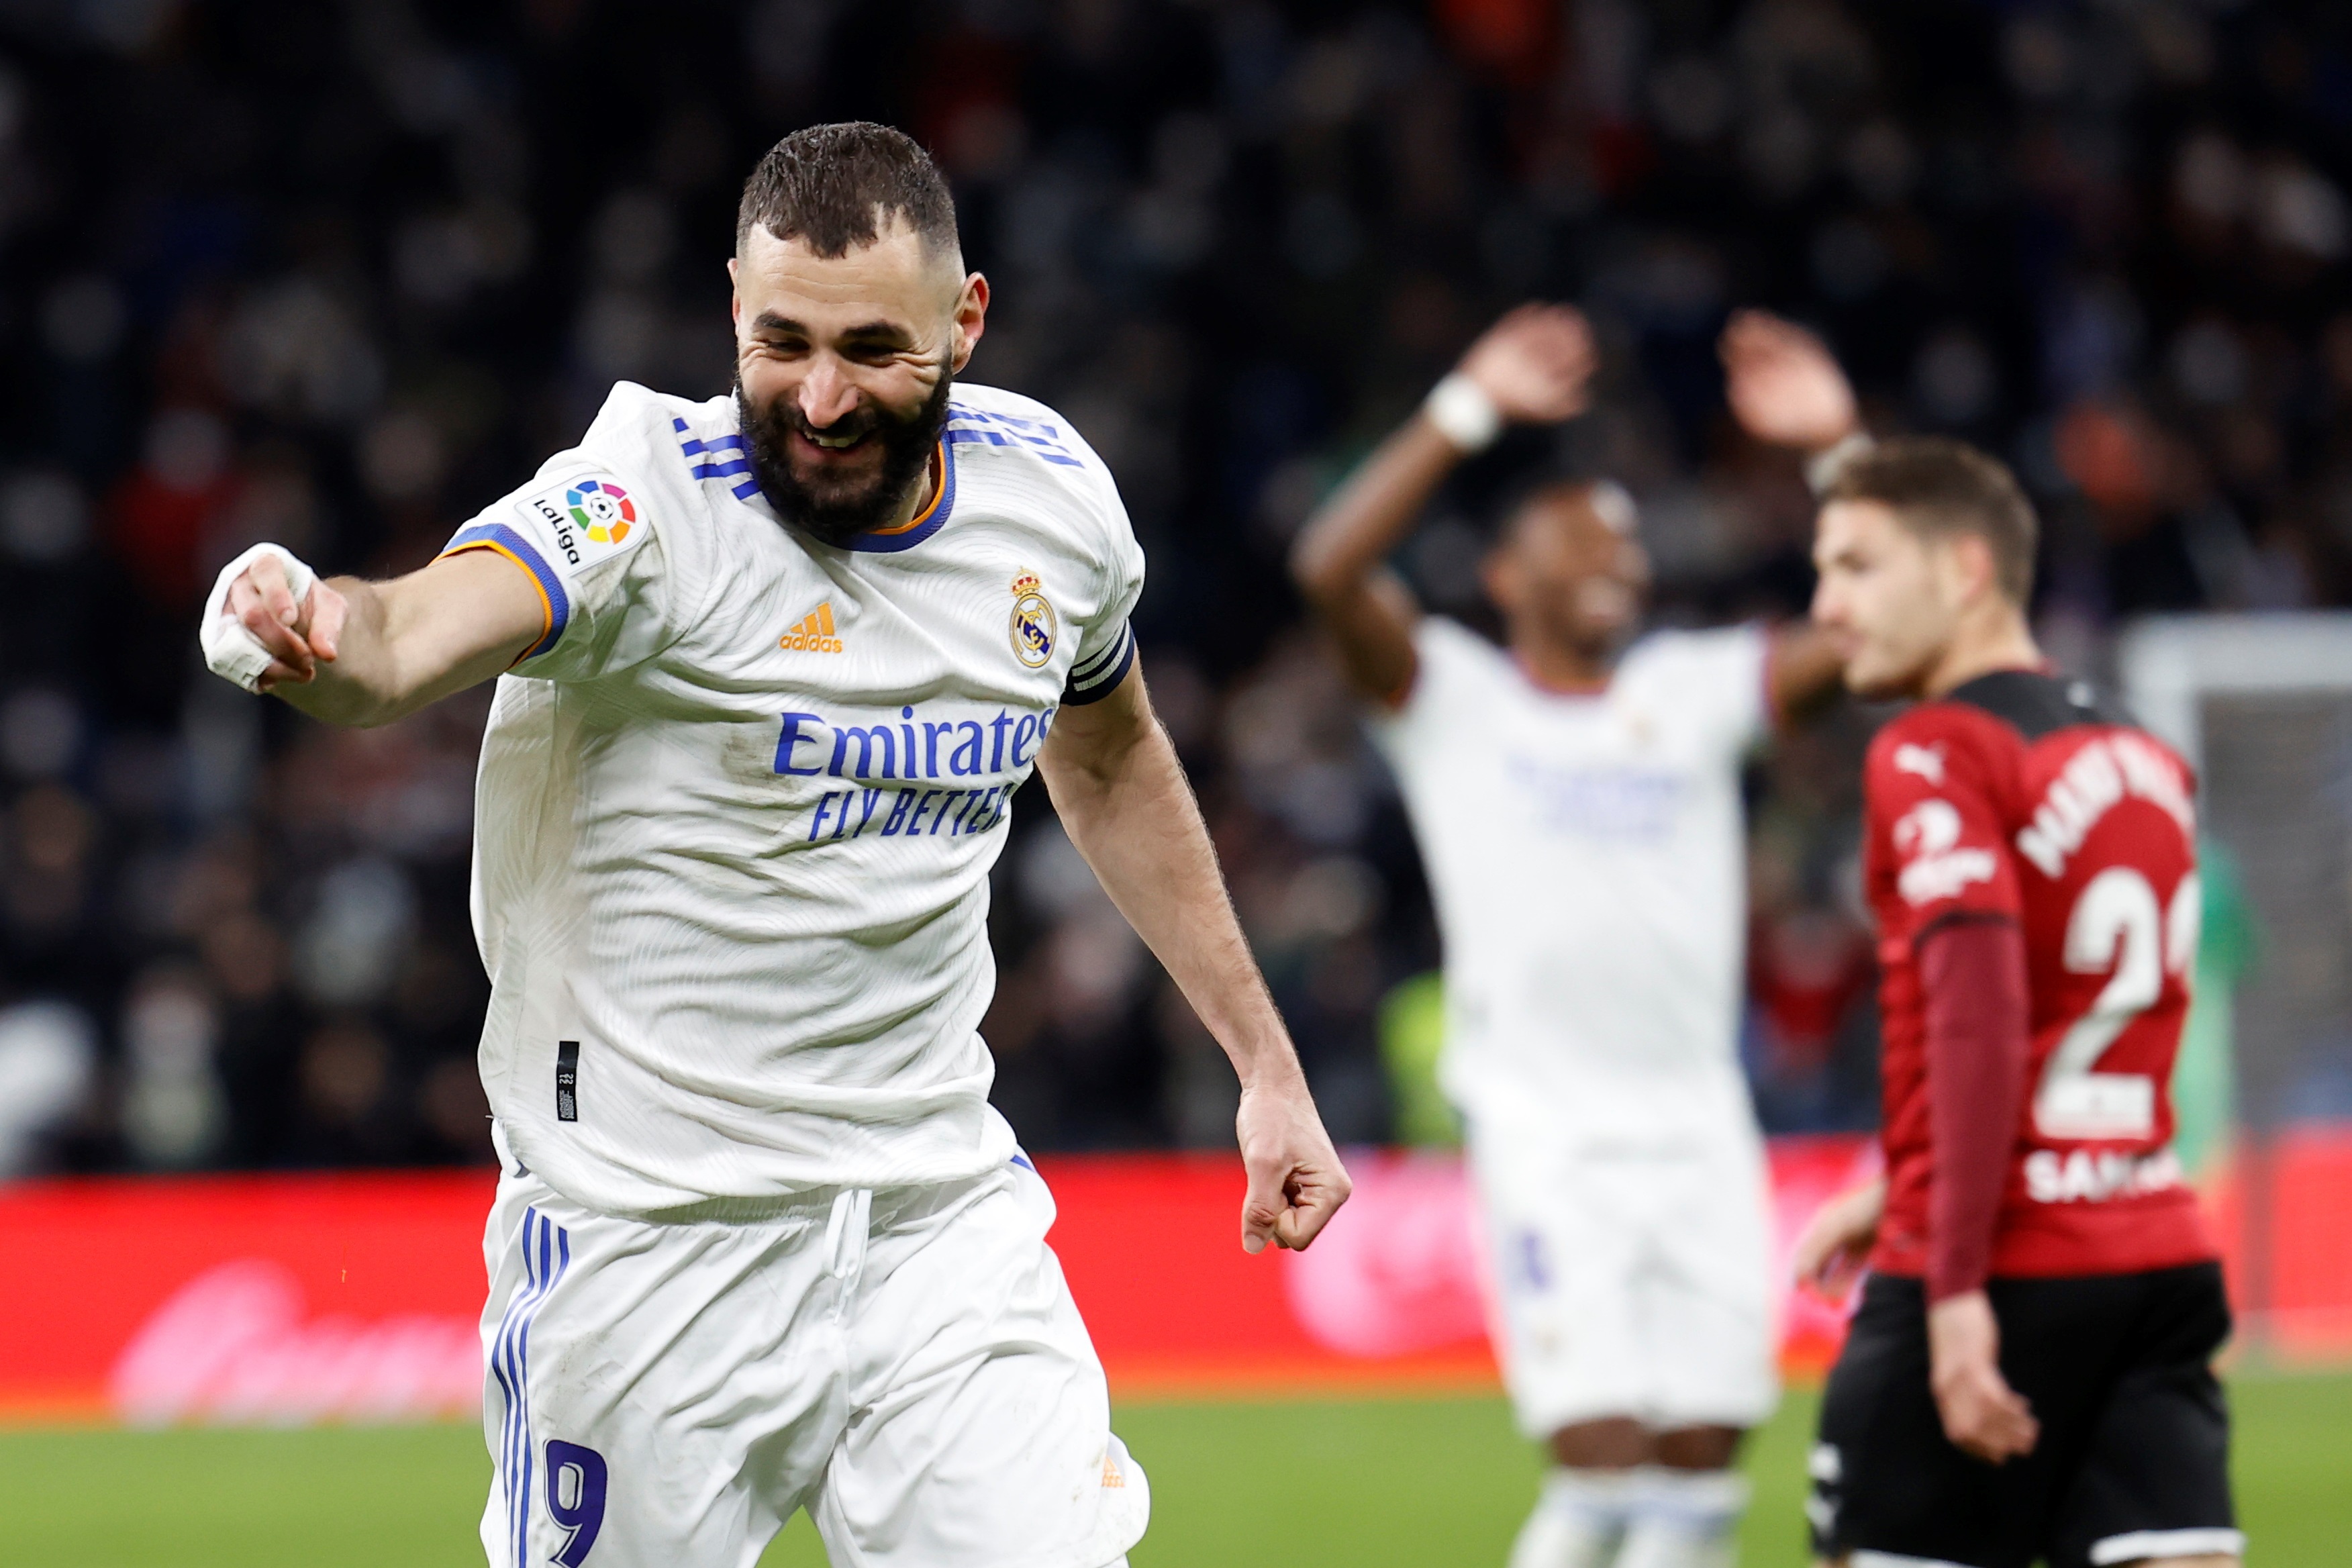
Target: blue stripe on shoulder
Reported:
point(718, 458)
point(1039, 446)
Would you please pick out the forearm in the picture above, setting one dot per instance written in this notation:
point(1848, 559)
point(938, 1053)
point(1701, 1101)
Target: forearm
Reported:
point(1973, 972)
point(1807, 669)
point(1124, 802)
point(412, 641)
point(359, 686)
point(1867, 1202)
point(1366, 610)
point(1132, 814)
point(1343, 544)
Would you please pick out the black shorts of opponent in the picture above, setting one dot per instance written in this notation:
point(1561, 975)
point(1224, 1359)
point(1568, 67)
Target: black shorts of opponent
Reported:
point(2133, 1460)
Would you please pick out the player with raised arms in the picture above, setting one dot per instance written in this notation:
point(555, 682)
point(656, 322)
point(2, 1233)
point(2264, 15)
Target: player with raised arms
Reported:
point(771, 668)
point(2028, 1378)
point(1577, 802)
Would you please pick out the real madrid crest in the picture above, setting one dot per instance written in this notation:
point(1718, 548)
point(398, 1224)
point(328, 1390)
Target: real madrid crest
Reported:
point(1034, 627)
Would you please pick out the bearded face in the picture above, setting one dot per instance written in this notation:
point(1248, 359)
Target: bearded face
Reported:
point(851, 477)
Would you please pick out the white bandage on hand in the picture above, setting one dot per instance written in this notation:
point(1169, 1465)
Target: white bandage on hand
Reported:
point(1821, 469)
point(232, 652)
point(1464, 413)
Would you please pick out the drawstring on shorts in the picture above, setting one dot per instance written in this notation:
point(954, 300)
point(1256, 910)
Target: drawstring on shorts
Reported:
point(845, 1240)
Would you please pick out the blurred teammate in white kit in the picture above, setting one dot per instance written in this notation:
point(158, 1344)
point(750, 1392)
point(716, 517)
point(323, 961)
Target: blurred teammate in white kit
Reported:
point(1577, 802)
point(775, 664)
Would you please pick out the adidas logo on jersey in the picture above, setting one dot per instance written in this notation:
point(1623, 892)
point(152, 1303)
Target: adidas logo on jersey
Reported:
point(814, 635)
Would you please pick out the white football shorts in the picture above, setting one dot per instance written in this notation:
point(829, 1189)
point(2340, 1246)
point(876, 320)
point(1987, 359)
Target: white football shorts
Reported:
point(906, 1364)
point(1627, 1281)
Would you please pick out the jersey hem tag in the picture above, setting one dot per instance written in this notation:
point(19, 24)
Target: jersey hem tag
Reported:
point(567, 1080)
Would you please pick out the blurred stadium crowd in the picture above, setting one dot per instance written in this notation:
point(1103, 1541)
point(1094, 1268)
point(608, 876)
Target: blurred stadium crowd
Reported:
point(340, 274)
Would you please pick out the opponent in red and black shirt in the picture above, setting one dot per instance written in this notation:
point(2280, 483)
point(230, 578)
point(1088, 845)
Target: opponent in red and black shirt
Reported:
point(2029, 858)
point(2028, 1374)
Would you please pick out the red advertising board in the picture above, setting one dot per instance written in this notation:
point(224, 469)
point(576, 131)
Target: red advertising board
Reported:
point(286, 1298)
point(251, 1267)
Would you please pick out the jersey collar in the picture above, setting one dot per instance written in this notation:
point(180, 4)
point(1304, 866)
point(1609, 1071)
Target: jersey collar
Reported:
point(924, 524)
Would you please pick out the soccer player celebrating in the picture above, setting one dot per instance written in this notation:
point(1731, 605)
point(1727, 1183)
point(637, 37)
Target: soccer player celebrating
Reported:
point(2027, 1378)
point(775, 665)
point(1579, 815)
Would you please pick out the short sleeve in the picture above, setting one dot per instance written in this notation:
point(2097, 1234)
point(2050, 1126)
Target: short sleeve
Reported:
point(587, 539)
point(1455, 673)
point(1106, 642)
point(1937, 829)
point(1712, 682)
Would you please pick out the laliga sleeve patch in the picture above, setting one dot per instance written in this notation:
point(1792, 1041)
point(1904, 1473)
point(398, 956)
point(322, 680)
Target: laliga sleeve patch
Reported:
point(601, 511)
point(585, 521)
point(555, 533)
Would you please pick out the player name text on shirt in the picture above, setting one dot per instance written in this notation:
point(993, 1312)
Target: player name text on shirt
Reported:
point(2098, 777)
point(2080, 1175)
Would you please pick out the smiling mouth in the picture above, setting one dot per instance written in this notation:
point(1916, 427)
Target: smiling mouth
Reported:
point(835, 443)
point(1605, 599)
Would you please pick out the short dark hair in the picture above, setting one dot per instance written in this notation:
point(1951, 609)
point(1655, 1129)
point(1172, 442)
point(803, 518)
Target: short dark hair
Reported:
point(1938, 486)
point(1606, 498)
point(835, 187)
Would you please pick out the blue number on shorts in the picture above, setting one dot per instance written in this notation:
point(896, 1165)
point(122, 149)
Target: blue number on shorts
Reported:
point(580, 1472)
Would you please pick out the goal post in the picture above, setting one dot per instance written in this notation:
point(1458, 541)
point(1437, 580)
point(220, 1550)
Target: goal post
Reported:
point(2261, 705)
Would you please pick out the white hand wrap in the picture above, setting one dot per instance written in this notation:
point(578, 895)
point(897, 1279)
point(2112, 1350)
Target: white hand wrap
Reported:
point(1823, 466)
point(1464, 413)
point(232, 652)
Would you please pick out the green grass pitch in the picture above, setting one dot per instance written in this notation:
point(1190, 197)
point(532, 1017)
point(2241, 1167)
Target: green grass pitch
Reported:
point(1300, 1483)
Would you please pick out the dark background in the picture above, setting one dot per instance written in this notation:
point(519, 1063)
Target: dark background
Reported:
point(339, 275)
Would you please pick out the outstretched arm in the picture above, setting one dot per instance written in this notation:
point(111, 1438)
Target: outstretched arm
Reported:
point(1786, 390)
point(1123, 798)
point(360, 653)
point(1533, 365)
point(1807, 668)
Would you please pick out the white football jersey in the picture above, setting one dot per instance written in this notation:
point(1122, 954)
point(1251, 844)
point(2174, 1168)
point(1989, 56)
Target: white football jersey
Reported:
point(1588, 862)
point(737, 805)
